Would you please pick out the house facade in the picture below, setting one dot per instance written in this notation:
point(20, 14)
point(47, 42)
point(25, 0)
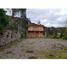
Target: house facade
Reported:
point(36, 30)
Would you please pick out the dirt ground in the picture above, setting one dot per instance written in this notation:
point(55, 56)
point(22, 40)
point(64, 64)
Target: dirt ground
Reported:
point(30, 48)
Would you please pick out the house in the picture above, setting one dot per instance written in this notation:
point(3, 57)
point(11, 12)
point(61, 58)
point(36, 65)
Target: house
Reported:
point(36, 30)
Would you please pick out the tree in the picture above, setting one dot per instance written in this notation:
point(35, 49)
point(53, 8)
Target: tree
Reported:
point(3, 20)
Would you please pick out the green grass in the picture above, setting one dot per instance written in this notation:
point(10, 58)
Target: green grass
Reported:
point(53, 54)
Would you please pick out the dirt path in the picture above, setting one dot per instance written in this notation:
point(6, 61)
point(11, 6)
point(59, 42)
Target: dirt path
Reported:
point(28, 48)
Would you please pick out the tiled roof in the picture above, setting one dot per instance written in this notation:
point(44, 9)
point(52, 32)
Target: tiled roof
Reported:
point(33, 24)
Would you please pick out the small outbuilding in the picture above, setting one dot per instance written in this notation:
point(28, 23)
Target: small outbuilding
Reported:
point(36, 30)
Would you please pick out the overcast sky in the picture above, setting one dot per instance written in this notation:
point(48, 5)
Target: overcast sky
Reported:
point(48, 17)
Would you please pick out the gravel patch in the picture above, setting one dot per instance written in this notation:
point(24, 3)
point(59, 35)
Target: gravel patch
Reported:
point(27, 48)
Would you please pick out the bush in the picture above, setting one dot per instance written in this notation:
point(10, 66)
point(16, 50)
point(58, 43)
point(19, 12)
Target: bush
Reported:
point(3, 20)
point(65, 37)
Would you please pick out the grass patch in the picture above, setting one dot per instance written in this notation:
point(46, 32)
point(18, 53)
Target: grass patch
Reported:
point(53, 54)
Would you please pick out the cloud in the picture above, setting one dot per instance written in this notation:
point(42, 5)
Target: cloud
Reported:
point(48, 17)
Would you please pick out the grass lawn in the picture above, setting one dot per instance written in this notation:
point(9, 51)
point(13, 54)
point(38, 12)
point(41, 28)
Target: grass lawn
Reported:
point(53, 54)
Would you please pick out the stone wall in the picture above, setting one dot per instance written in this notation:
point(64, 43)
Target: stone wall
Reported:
point(9, 34)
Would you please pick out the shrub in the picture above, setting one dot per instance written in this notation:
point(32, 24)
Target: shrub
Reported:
point(65, 37)
point(3, 20)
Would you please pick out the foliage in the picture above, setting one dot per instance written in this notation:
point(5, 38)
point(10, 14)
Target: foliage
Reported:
point(3, 20)
point(53, 54)
point(13, 26)
point(57, 32)
point(65, 37)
